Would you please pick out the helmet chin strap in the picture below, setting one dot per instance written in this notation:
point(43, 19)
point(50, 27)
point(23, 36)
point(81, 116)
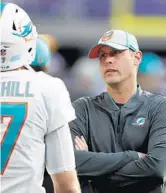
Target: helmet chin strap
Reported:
point(16, 69)
point(22, 67)
point(29, 68)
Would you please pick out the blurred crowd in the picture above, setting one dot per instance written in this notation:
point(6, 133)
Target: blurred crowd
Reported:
point(66, 9)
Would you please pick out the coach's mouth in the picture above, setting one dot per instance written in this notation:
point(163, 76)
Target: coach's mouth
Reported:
point(110, 71)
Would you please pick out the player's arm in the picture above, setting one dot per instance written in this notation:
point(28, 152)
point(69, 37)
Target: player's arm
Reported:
point(154, 163)
point(63, 182)
point(60, 161)
point(92, 163)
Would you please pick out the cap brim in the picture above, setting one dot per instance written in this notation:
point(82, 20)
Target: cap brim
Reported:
point(94, 52)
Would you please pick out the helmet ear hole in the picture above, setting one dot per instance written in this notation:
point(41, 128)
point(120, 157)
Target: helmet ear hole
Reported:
point(30, 49)
point(14, 26)
point(16, 10)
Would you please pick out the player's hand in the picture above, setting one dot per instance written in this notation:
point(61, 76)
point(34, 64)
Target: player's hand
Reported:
point(141, 155)
point(80, 144)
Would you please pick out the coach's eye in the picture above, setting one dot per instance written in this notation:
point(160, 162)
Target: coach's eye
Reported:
point(14, 26)
point(115, 52)
point(102, 55)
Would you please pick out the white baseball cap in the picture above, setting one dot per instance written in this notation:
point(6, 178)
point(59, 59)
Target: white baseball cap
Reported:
point(117, 39)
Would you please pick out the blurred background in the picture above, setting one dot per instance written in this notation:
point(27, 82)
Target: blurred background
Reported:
point(73, 26)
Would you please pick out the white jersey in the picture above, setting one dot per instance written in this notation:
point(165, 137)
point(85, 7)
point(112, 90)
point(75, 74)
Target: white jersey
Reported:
point(34, 108)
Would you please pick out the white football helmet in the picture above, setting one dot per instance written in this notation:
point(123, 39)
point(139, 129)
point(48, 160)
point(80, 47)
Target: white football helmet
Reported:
point(17, 37)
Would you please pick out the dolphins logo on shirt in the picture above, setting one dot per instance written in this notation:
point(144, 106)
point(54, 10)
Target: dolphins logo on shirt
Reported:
point(139, 121)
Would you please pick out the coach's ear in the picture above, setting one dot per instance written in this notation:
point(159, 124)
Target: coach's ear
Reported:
point(138, 58)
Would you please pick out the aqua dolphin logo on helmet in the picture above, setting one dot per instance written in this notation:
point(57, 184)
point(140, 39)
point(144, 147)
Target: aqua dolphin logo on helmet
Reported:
point(25, 31)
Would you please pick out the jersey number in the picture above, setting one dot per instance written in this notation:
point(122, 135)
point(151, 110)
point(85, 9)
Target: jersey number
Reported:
point(13, 116)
